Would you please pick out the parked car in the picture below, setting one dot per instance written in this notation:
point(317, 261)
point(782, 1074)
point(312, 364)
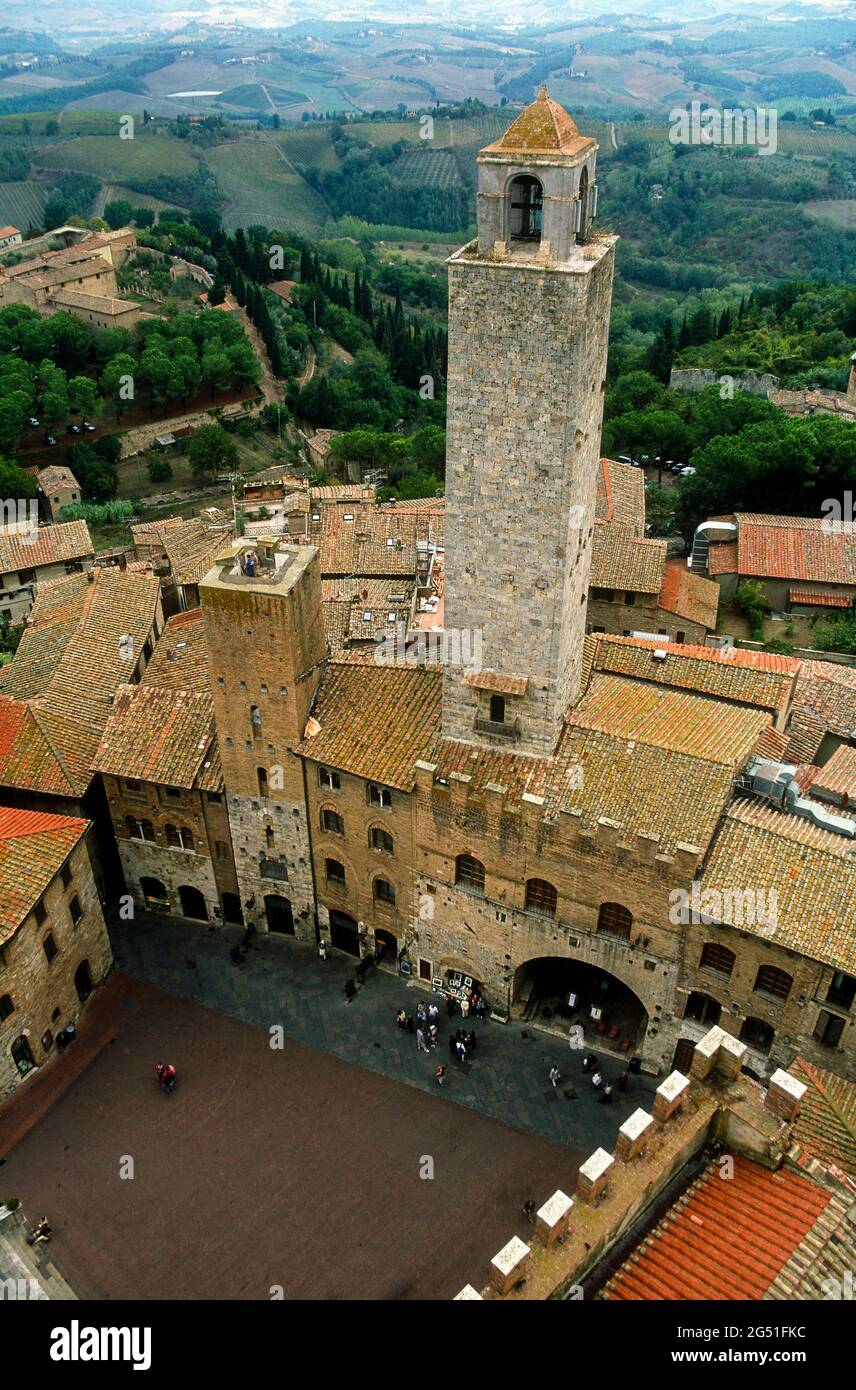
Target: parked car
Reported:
point(49, 439)
point(74, 429)
point(32, 422)
point(88, 427)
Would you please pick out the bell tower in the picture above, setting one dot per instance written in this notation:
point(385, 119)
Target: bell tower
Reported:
point(529, 309)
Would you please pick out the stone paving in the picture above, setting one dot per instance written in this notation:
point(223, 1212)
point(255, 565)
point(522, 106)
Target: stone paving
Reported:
point(284, 983)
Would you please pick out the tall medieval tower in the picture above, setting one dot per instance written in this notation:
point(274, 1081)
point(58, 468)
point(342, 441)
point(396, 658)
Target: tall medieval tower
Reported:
point(266, 648)
point(528, 325)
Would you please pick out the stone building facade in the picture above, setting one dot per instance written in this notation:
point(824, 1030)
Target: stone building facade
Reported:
point(54, 948)
point(265, 637)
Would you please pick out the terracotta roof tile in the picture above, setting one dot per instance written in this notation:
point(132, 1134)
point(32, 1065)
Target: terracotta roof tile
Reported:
point(723, 1240)
point(838, 775)
point(33, 848)
point(361, 539)
point(722, 558)
point(826, 1125)
point(157, 734)
point(795, 547)
point(68, 540)
point(689, 596)
point(752, 678)
point(543, 127)
point(808, 874)
point(621, 495)
point(828, 690)
point(496, 681)
point(376, 721)
point(819, 598)
point(621, 560)
point(180, 659)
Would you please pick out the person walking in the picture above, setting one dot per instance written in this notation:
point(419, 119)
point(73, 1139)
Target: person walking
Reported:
point(420, 1041)
point(433, 1012)
point(605, 1096)
point(621, 1081)
point(555, 1076)
point(432, 1035)
point(461, 1049)
point(597, 1081)
point(440, 1075)
point(465, 1006)
point(401, 1019)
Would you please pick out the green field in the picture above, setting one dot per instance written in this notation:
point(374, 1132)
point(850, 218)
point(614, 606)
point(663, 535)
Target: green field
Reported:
point(310, 144)
point(22, 204)
point(109, 157)
point(839, 212)
point(427, 168)
point(113, 191)
point(261, 188)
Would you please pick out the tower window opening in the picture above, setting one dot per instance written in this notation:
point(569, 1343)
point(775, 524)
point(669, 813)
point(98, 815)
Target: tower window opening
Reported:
point(497, 709)
point(527, 198)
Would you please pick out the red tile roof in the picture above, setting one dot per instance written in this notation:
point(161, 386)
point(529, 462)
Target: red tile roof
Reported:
point(69, 540)
point(826, 1124)
point(689, 596)
point(795, 547)
point(724, 1239)
point(819, 598)
point(33, 848)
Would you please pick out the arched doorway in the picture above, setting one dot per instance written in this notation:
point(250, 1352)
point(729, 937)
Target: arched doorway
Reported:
point(344, 933)
point(192, 903)
point(279, 915)
point(386, 948)
point(556, 992)
point(526, 201)
point(232, 910)
point(155, 894)
point(83, 981)
point(22, 1056)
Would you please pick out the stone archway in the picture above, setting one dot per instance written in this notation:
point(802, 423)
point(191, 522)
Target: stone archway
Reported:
point(557, 992)
point(193, 903)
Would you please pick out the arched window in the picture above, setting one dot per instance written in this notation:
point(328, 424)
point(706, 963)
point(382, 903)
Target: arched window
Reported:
point(261, 774)
point(382, 840)
point(758, 1034)
point(384, 892)
point(526, 200)
point(615, 919)
point(133, 828)
point(332, 821)
point(774, 982)
point(334, 871)
point(173, 839)
point(541, 897)
point(702, 1009)
point(186, 837)
point(148, 830)
point(469, 873)
point(718, 959)
point(256, 721)
point(22, 1056)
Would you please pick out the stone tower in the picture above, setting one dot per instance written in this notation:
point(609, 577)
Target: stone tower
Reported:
point(528, 324)
point(266, 649)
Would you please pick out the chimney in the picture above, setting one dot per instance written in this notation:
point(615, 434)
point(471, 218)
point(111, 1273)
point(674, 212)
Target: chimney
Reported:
point(784, 1095)
point(632, 1135)
point(669, 1096)
point(510, 1265)
point(554, 1218)
point(593, 1177)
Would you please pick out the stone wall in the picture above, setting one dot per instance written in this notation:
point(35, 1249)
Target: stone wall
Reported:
point(43, 993)
point(691, 379)
point(527, 363)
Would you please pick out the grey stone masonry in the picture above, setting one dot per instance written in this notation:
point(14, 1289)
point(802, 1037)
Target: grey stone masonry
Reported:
point(527, 368)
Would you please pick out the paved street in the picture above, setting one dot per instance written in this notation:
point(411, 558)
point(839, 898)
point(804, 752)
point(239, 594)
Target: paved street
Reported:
point(284, 983)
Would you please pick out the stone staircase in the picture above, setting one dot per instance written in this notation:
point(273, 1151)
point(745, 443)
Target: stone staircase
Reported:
point(28, 1271)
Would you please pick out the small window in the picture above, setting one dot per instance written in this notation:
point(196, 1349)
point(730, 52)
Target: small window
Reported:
point(50, 947)
point(214, 796)
point(47, 1041)
point(469, 873)
point(384, 892)
point(382, 840)
point(75, 910)
point(757, 1034)
point(776, 983)
point(147, 830)
point(40, 913)
point(629, 598)
point(603, 595)
point(615, 920)
point(541, 897)
point(256, 720)
point(828, 1029)
point(174, 793)
point(702, 1009)
point(131, 785)
point(379, 796)
point(65, 875)
point(334, 871)
point(842, 990)
point(261, 774)
point(186, 837)
point(6, 1006)
point(332, 821)
point(172, 837)
point(680, 636)
point(497, 709)
point(717, 959)
point(329, 779)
